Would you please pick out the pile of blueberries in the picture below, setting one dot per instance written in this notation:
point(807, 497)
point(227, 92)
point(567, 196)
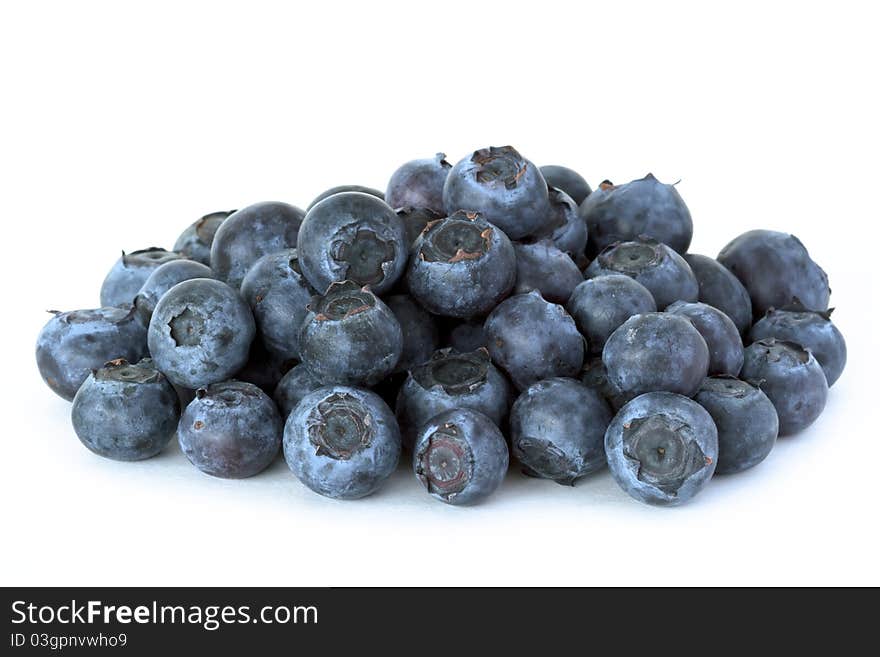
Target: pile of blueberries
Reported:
point(499, 308)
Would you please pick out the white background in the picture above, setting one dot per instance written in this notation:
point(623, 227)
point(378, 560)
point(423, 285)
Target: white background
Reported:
point(121, 125)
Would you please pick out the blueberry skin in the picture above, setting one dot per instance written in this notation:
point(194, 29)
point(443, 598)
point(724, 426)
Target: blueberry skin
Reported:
point(812, 330)
point(595, 376)
point(507, 189)
point(420, 334)
point(350, 337)
point(600, 305)
point(543, 267)
point(451, 380)
point(293, 386)
point(746, 421)
point(352, 236)
point(460, 456)
point(777, 271)
point(557, 429)
point(419, 184)
point(278, 294)
point(200, 333)
point(125, 412)
point(249, 234)
point(195, 242)
point(342, 442)
point(791, 377)
point(468, 336)
point(74, 343)
point(720, 333)
point(415, 220)
point(620, 213)
point(564, 226)
point(341, 189)
point(656, 266)
point(230, 430)
point(163, 278)
point(130, 272)
point(461, 266)
point(532, 339)
point(656, 352)
point(720, 288)
point(662, 448)
point(568, 180)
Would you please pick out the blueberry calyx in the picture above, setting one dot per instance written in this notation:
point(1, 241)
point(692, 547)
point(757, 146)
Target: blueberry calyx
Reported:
point(502, 163)
point(454, 372)
point(444, 463)
point(342, 300)
point(775, 350)
point(186, 328)
point(800, 310)
point(666, 455)
point(545, 459)
point(631, 257)
point(339, 427)
point(725, 385)
point(207, 225)
point(119, 369)
point(365, 256)
point(605, 185)
point(455, 239)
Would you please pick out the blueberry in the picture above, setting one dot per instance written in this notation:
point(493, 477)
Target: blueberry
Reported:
point(349, 336)
point(532, 339)
point(568, 180)
point(249, 234)
point(460, 456)
point(231, 430)
point(564, 226)
point(130, 272)
point(420, 335)
point(620, 213)
point(656, 352)
point(73, 343)
point(352, 236)
point(467, 336)
point(746, 421)
point(656, 266)
point(451, 380)
point(720, 333)
point(791, 377)
point(293, 386)
point(342, 442)
point(278, 294)
point(543, 267)
point(662, 448)
point(125, 412)
point(507, 189)
point(341, 189)
point(163, 278)
point(812, 330)
point(595, 376)
point(776, 270)
point(200, 333)
point(557, 429)
point(415, 220)
point(195, 242)
point(461, 266)
point(263, 368)
point(599, 305)
point(720, 288)
point(419, 183)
